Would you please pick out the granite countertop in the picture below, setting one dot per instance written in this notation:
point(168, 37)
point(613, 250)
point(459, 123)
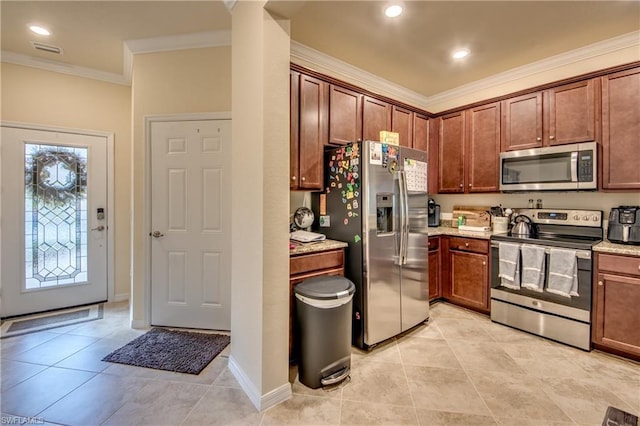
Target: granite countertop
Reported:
point(317, 246)
point(455, 232)
point(607, 247)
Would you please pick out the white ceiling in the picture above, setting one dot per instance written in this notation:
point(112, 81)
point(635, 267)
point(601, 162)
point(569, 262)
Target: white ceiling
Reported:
point(411, 51)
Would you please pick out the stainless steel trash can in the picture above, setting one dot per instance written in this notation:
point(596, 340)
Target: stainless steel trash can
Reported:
point(323, 313)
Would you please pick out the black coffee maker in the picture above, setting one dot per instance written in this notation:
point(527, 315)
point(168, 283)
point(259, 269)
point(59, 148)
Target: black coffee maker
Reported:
point(434, 213)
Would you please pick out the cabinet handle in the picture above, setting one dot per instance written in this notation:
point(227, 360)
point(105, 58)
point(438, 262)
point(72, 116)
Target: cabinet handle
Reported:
point(552, 137)
point(469, 185)
point(484, 262)
point(600, 283)
point(461, 185)
point(302, 178)
point(293, 178)
point(538, 139)
point(466, 244)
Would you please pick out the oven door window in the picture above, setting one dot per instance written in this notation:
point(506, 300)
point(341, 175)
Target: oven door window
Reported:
point(584, 284)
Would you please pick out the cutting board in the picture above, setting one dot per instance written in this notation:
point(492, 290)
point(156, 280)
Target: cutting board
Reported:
point(475, 215)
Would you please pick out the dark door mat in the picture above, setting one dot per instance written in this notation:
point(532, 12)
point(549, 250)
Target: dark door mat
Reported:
point(617, 417)
point(171, 350)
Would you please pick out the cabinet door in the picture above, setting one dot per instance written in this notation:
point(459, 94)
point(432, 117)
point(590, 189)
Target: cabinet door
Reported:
point(294, 116)
point(617, 324)
point(313, 131)
point(376, 117)
point(434, 274)
point(345, 115)
point(469, 279)
point(451, 153)
point(483, 148)
point(620, 130)
point(402, 123)
point(425, 138)
point(522, 122)
point(572, 114)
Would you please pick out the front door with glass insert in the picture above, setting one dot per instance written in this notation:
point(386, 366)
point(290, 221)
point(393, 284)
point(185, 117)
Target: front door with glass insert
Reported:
point(54, 219)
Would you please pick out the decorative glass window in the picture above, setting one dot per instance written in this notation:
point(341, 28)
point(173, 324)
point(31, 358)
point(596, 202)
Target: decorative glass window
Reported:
point(55, 215)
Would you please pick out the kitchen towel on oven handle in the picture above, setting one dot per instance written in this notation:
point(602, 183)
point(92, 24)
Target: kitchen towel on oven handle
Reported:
point(533, 270)
point(509, 265)
point(563, 272)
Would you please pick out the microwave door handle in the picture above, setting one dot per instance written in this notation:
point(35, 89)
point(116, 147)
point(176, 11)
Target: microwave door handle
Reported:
point(574, 166)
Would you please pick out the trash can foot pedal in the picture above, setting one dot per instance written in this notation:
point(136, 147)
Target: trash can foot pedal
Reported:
point(336, 377)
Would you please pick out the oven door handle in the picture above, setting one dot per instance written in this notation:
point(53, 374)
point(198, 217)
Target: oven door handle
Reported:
point(580, 254)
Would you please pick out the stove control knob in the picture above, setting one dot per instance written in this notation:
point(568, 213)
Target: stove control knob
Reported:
point(576, 217)
point(585, 217)
point(594, 218)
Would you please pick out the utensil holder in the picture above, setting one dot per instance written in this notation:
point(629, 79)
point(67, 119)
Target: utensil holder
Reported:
point(500, 224)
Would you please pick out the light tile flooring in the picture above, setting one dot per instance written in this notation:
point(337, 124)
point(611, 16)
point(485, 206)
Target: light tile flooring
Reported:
point(459, 369)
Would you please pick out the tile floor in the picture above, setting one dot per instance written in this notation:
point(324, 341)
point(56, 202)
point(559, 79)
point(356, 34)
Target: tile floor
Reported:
point(459, 369)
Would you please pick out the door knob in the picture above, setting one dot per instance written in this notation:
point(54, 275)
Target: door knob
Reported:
point(98, 228)
point(157, 234)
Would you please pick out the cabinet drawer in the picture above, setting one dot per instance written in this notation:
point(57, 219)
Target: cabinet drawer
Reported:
point(469, 244)
point(619, 264)
point(315, 261)
point(434, 243)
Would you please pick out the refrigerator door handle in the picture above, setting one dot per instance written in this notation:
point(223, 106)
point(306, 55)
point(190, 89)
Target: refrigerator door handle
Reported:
point(398, 224)
point(404, 217)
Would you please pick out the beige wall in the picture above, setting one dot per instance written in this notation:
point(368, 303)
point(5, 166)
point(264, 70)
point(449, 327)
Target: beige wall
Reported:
point(260, 256)
point(47, 98)
point(178, 82)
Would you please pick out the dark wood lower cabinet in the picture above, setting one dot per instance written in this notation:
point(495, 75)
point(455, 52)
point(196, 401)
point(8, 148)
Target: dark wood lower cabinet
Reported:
point(616, 325)
point(434, 268)
point(465, 272)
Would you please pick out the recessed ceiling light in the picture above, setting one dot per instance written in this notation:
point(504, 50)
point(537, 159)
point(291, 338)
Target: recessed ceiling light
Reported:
point(393, 10)
point(460, 53)
point(39, 30)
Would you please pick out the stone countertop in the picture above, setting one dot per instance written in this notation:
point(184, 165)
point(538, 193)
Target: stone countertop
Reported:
point(455, 232)
point(613, 248)
point(314, 247)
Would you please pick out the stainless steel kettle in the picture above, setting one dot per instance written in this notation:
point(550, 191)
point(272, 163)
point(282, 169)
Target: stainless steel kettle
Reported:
point(523, 226)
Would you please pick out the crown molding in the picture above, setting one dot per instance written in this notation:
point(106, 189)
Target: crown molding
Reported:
point(325, 64)
point(179, 42)
point(321, 62)
point(61, 67)
point(591, 51)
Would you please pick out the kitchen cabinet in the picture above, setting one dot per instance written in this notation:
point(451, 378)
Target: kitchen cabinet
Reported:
point(616, 299)
point(425, 138)
point(570, 117)
point(469, 148)
point(309, 131)
point(482, 144)
point(434, 268)
point(402, 123)
point(620, 130)
point(345, 115)
point(376, 117)
point(303, 266)
point(451, 152)
point(465, 272)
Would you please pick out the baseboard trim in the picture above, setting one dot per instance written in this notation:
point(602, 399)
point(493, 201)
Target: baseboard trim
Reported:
point(121, 297)
point(261, 402)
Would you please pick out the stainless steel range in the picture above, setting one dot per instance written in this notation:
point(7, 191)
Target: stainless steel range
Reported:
point(542, 283)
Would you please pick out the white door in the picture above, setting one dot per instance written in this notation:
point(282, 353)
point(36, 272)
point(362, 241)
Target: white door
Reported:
point(54, 239)
point(190, 224)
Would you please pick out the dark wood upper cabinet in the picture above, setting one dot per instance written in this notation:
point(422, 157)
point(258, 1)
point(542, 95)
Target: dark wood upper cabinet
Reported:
point(294, 113)
point(451, 152)
point(376, 117)
point(402, 123)
point(483, 148)
point(522, 122)
point(312, 133)
point(621, 130)
point(572, 113)
point(425, 138)
point(345, 115)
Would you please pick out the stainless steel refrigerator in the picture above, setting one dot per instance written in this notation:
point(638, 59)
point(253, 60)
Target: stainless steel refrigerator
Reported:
point(376, 200)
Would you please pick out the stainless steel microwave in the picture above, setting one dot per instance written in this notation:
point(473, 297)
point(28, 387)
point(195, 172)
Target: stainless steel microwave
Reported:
point(556, 168)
